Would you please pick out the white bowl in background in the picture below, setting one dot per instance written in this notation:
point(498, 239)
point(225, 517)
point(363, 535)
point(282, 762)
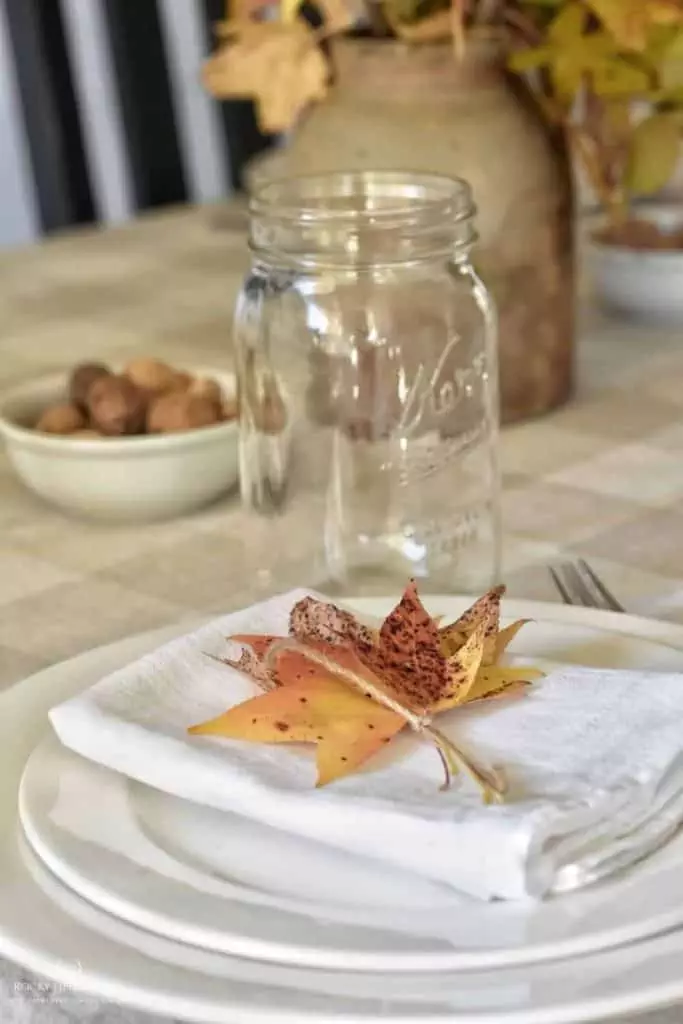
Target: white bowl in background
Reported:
point(645, 284)
point(118, 479)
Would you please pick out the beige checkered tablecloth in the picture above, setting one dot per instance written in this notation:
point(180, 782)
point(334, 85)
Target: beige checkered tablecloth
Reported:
point(602, 478)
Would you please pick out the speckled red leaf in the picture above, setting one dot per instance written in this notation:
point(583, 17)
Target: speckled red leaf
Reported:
point(486, 606)
point(259, 642)
point(408, 658)
point(290, 665)
point(314, 621)
point(250, 660)
point(405, 655)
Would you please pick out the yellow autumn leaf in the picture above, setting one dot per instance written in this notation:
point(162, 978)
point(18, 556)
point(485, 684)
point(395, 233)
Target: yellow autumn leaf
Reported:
point(669, 60)
point(501, 680)
point(574, 52)
point(617, 78)
point(673, 49)
point(463, 667)
point(654, 153)
point(630, 21)
point(625, 19)
point(279, 66)
point(289, 10)
point(531, 58)
point(505, 637)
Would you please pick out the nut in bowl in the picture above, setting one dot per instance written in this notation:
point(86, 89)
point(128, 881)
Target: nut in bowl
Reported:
point(144, 443)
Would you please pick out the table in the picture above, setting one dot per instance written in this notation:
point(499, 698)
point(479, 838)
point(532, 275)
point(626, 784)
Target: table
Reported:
point(602, 478)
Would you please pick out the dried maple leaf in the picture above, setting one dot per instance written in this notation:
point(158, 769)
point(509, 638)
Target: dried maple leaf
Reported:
point(574, 52)
point(496, 640)
point(504, 638)
point(485, 610)
point(402, 667)
point(630, 21)
point(405, 654)
point(312, 706)
point(349, 689)
point(501, 681)
point(278, 65)
point(251, 659)
point(464, 666)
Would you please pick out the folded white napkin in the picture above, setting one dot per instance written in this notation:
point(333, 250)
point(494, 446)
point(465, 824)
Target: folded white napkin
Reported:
point(594, 759)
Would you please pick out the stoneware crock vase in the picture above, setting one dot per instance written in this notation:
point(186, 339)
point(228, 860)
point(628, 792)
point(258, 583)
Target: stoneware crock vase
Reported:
point(418, 108)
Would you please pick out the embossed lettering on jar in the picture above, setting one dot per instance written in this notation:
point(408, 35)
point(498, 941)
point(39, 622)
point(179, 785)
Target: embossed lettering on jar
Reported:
point(368, 378)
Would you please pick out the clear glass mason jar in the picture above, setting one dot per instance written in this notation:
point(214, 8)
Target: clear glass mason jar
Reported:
point(367, 377)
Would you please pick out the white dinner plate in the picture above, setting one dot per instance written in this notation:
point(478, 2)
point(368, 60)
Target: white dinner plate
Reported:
point(48, 929)
point(229, 885)
point(82, 949)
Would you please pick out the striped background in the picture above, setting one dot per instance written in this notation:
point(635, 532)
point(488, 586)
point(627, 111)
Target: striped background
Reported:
point(102, 113)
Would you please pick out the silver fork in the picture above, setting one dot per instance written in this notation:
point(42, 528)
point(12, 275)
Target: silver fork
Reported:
point(577, 583)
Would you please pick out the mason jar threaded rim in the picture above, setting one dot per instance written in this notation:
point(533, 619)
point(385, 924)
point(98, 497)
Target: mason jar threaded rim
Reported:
point(290, 197)
point(331, 214)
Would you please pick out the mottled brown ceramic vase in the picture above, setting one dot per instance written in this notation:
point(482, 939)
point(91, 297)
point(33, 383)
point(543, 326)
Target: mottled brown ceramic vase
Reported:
point(417, 108)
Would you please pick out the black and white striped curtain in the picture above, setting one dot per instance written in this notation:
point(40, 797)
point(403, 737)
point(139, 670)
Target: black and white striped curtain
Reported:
point(102, 113)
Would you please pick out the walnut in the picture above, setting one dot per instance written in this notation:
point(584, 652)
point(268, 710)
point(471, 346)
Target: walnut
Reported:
point(60, 419)
point(181, 411)
point(205, 387)
point(151, 375)
point(183, 381)
point(117, 406)
point(81, 380)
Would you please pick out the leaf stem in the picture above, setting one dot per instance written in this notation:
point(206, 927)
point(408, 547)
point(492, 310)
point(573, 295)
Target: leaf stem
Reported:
point(491, 783)
point(446, 770)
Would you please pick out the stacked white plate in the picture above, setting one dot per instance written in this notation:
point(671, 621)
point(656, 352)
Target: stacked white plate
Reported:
point(153, 902)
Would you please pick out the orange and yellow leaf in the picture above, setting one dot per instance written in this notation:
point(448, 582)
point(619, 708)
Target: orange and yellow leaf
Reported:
point(345, 726)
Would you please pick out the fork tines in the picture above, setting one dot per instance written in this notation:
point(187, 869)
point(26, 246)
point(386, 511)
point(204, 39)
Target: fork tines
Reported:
point(579, 584)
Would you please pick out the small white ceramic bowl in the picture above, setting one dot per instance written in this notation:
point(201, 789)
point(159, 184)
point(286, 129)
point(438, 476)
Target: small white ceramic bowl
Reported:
point(646, 284)
point(121, 479)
